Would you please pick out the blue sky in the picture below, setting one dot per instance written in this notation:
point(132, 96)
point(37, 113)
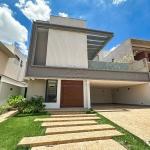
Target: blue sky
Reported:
point(126, 18)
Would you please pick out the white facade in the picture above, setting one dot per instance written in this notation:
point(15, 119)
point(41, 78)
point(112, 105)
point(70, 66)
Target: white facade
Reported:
point(12, 72)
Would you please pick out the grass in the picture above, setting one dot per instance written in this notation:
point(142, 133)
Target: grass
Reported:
point(15, 128)
point(128, 140)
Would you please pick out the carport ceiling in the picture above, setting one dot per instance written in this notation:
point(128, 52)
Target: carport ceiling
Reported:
point(112, 84)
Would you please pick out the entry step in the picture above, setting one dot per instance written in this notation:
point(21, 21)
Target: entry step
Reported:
point(68, 138)
point(73, 115)
point(74, 129)
point(68, 124)
point(66, 119)
point(90, 145)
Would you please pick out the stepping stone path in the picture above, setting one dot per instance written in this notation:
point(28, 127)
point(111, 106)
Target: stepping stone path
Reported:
point(73, 130)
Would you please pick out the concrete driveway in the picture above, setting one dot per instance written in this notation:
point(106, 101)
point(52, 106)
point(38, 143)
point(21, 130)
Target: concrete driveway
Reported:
point(135, 119)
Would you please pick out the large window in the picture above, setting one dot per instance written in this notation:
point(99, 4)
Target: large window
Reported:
point(51, 94)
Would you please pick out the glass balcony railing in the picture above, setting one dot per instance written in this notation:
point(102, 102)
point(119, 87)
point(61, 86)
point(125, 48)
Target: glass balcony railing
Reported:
point(135, 66)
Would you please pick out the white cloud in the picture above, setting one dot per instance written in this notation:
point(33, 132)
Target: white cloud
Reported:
point(63, 14)
point(38, 10)
point(81, 17)
point(11, 30)
point(113, 48)
point(116, 2)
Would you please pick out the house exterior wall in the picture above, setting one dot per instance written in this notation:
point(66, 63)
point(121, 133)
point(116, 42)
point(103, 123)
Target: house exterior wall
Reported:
point(41, 47)
point(66, 49)
point(13, 68)
point(36, 87)
point(99, 95)
point(6, 92)
point(119, 52)
point(3, 62)
point(137, 94)
point(68, 21)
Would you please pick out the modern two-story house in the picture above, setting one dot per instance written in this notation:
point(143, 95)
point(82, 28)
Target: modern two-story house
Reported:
point(12, 71)
point(62, 67)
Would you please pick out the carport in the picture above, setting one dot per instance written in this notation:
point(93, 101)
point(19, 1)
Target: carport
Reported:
point(119, 92)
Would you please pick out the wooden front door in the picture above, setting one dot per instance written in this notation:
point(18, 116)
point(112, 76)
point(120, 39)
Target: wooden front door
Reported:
point(71, 93)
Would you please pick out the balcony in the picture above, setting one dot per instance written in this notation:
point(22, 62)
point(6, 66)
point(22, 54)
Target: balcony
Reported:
point(135, 66)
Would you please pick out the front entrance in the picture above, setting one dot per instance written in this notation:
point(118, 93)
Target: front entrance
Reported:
point(71, 93)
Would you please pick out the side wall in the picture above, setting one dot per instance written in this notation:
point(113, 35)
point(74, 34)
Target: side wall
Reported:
point(119, 52)
point(137, 94)
point(3, 62)
point(6, 90)
point(14, 69)
point(41, 47)
point(99, 95)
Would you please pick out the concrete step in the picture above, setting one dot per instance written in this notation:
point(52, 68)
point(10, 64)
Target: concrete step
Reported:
point(68, 124)
point(90, 145)
point(73, 115)
point(61, 130)
point(67, 111)
point(66, 119)
point(68, 138)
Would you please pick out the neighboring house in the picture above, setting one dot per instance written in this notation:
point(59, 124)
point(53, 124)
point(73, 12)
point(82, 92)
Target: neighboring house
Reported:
point(61, 67)
point(12, 71)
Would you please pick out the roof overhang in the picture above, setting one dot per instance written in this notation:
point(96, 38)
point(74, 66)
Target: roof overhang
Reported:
point(96, 39)
point(6, 51)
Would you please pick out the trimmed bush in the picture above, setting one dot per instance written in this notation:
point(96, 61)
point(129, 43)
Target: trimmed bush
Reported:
point(34, 105)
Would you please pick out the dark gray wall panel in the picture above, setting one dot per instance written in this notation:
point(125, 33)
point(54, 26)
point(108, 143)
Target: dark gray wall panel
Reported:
point(41, 47)
point(52, 72)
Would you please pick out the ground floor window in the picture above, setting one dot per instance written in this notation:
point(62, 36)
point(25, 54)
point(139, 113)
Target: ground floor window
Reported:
point(51, 91)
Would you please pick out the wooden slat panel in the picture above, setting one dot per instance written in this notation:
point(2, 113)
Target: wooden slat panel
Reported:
point(71, 93)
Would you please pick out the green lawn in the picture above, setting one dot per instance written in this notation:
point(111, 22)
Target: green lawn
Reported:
point(128, 140)
point(15, 128)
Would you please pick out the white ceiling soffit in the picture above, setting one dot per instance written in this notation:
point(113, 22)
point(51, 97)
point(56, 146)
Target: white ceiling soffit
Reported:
point(113, 84)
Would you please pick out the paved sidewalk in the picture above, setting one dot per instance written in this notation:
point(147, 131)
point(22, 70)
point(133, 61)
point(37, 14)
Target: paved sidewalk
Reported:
point(135, 119)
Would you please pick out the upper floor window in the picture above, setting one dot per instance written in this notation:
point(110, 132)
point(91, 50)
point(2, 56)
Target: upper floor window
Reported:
point(17, 58)
point(21, 64)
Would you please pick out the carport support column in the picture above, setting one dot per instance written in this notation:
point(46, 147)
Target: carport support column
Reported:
point(88, 94)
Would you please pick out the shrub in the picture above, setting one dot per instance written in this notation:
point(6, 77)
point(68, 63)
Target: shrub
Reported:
point(5, 108)
point(34, 105)
point(15, 100)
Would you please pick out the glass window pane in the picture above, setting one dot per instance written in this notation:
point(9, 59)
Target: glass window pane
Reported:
point(51, 91)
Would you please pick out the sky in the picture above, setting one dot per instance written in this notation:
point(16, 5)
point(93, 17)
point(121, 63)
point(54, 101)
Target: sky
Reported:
point(125, 18)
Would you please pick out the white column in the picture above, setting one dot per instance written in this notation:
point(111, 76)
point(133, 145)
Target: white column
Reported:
point(58, 92)
point(88, 94)
point(85, 94)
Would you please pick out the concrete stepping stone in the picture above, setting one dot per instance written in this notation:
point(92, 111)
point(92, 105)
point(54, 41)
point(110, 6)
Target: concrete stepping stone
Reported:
point(66, 119)
point(69, 123)
point(90, 145)
point(61, 130)
point(68, 138)
point(60, 112)
point(73, 115)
